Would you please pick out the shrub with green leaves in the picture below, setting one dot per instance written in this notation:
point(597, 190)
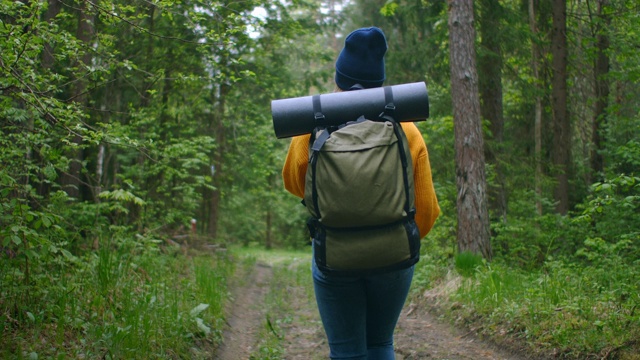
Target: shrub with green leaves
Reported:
point(129, 299)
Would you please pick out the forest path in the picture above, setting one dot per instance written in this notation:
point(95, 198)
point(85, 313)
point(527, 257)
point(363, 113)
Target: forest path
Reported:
point(246, 314)
point(419, 334)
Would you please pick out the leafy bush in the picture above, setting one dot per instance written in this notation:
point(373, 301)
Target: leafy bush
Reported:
point(610, 216)
point(129, 299)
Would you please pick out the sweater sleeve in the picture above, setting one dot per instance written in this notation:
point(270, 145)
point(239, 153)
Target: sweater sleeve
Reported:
point(295, 165)
point(427, 208)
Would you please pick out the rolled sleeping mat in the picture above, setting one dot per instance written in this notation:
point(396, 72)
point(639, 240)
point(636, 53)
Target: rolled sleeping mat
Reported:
point(296, 116)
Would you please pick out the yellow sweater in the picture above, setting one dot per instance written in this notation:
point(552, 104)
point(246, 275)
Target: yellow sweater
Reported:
point(427, 208)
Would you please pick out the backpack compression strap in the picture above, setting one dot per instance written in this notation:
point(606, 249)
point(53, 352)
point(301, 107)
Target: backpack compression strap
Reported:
point(387, 115)
point(389, 107)
point(317, 111)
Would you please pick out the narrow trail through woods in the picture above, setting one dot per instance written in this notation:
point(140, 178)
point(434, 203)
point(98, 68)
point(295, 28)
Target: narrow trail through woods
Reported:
point(419, 334)
point(246, 315)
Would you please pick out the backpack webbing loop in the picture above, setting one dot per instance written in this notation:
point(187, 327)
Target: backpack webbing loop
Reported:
point(389, 107)
point(317, 110)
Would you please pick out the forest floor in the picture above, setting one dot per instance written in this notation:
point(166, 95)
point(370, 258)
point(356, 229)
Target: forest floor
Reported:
point(420, 334)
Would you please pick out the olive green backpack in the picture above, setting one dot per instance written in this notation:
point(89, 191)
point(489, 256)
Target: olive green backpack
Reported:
point(359, 192)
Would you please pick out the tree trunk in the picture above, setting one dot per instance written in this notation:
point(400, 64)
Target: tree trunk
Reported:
point(99, 171)
point(600, 71)
point(53, 9)
point(561, 154)
point(490, 83)
point(218, 178)
point(269, 216)
point(473, 219)
point(535, 66)
point(71, 179)
point(47, 55)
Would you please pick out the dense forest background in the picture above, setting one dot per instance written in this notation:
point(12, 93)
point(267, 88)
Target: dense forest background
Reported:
point(128, 119)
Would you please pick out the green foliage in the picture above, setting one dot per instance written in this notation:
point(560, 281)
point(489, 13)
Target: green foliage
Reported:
point(609, 214)
point(609, 218)
point(115, 137)
point(107, 144)
point(626, 158)
point(558, 282)
point(467, 263)
point(579, 310)
point(418, 37)
point(128, 300)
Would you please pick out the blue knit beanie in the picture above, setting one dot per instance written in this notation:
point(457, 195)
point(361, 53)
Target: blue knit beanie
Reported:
point(362, 59)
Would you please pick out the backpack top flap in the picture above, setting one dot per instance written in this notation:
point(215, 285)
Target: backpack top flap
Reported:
point(356, 179)
point(361, 136)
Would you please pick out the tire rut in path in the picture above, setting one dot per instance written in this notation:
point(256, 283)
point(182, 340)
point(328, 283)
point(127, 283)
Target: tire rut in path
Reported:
point(420, 335)
point(245, 315)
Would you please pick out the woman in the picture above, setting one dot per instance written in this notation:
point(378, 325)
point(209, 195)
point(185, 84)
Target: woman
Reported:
point(359, 314)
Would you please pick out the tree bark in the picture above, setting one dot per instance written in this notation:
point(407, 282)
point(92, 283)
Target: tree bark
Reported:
point(561, 153)
point(600, 71)
point(535, 66)
point(473, 220)
point(218, 156)
point(47, 55)
point(99, 171)
point(490, 84)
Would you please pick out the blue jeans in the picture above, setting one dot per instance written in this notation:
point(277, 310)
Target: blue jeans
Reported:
point(359, 314)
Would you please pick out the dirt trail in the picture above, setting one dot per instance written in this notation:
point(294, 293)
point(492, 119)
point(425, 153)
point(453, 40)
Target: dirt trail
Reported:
point(419, 334)
point(245, 315)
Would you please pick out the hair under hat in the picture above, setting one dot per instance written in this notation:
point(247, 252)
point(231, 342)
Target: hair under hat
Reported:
point(361, 61)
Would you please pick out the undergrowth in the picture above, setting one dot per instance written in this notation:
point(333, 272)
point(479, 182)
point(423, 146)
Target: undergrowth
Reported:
point(562, 286)
point(562, 310)
point(575, 311)
point(128, 299)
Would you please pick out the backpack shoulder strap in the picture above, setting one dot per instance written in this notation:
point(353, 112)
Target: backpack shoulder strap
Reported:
point(387, 115)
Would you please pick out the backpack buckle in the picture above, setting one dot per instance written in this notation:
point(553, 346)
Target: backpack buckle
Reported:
point(387, 114)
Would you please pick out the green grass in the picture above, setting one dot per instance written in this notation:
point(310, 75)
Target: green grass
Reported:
point(130, 300)
point(467, 263)
point(578, 311)
point(122, 301)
